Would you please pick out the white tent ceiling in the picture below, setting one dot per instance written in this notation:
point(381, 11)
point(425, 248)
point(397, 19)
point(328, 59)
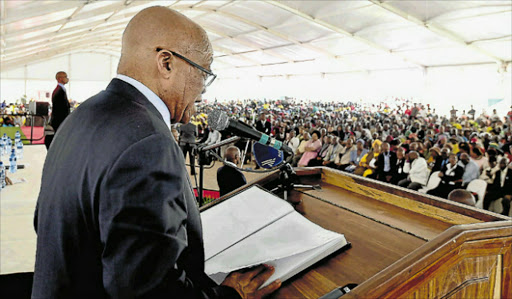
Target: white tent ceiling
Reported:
point(269, 38)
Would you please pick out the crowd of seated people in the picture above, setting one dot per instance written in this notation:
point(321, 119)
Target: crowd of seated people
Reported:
point(12, 115)
point(397, 142)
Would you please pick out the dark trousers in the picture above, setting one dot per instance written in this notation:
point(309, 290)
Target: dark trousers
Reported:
point(187, 147)
point(506, 205)
point(316, 162)
point(384, 176)
point(48, 141)
point(406, 183)
point(443, 189)
point(493, 194)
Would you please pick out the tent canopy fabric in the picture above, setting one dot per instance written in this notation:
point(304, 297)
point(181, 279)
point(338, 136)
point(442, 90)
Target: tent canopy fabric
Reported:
point(268, 38)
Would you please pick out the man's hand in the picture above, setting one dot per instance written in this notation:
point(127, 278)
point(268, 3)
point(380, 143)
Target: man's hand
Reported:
point(246, 282)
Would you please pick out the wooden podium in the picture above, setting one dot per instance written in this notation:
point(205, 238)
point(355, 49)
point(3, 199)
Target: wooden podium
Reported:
point(404, 244)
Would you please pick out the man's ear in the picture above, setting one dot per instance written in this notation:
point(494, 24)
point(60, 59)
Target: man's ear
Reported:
point(164, 61)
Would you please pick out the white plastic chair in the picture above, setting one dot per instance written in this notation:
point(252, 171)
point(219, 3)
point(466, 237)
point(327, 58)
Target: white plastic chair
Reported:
point(478, 186)
point(496, 206)
point(432, 183)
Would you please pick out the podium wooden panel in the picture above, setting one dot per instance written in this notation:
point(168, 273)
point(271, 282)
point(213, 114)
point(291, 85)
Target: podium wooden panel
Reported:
point(404, 244)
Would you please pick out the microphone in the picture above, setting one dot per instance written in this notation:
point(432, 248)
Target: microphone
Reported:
point(220, 121)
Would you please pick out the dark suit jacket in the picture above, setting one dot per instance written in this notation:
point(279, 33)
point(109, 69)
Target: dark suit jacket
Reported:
point(188, 134)
point(398, 171)
point(229, 179)
point(437, 164)
point(496, 187)
point(60, 107)
point(116, 216)
point(456, 174)
point(380, 164)
point(264, 129)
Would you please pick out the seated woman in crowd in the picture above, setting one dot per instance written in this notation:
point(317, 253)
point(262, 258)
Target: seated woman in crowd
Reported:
point(479, 158)
point(434, 160)
point(367, 165)
point(312, 148)
point(302, 147)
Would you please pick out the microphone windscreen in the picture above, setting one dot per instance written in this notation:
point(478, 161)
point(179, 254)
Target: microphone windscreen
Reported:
point(266, 156)
point(218, 120)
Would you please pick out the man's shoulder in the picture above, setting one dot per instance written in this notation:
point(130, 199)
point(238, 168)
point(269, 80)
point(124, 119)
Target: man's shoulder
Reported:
point(108, 111)
point(226, 170)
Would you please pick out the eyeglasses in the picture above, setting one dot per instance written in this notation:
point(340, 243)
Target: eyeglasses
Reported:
point(210, 76)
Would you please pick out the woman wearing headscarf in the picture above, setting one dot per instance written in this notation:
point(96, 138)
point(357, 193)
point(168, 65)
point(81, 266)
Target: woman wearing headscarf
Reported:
point(367, 164)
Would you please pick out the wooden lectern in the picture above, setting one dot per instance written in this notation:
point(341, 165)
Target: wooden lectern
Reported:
point(405, 244)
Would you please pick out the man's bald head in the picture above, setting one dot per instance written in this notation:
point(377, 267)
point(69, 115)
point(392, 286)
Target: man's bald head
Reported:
point(62, 77)
point(232, 154)
point(149, 42)
point(163, 27)
point(462, 196)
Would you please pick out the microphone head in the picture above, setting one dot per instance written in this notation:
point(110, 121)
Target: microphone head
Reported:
point(218, 120)
point(267, 156)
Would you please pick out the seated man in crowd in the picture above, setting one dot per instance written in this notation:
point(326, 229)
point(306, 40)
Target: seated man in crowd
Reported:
point(326, 147)
point(386, 163)
point(451, 178)
point(229, 177)
point(333, 150)
point(292, 141)
point(445, 153)
point(488, 172)
point(342, 159)
point(471, 170)
point(462, 196)
point(399, 173)
point(356, 156)
point(501, 187)
point(417, 170)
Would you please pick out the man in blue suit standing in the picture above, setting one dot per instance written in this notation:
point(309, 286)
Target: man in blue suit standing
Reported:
point(116, 216)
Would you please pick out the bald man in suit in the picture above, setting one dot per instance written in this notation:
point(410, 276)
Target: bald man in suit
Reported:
point(116, 215)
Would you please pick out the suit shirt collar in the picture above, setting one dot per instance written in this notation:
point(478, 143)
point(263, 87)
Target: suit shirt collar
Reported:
point(151, 96)
point(230, 164)
point(62, 86)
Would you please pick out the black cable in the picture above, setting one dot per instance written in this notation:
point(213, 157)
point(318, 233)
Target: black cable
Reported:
point(250, 170)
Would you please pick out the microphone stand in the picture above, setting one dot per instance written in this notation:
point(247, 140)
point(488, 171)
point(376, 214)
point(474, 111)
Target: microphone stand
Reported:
point(205, 158)
point(287, 176)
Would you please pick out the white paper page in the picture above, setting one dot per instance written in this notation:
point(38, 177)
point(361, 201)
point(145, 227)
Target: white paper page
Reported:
point(238, 217)
point(289, 266)
point(290, 235)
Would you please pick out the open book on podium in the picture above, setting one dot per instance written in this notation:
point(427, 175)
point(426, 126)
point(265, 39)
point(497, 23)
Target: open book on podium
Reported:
point(255, 227)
